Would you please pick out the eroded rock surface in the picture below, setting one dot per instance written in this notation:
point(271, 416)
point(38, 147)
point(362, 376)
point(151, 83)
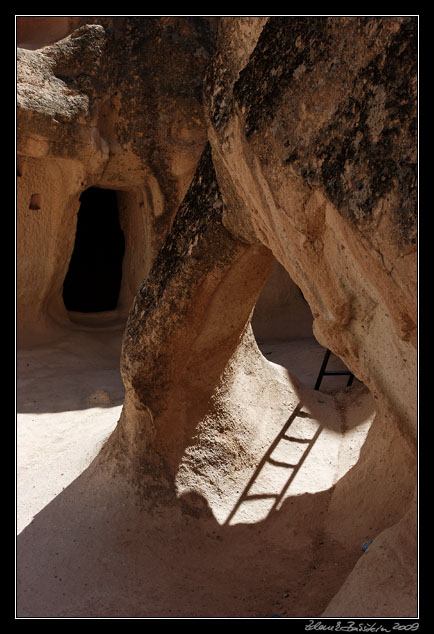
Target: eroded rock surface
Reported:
point(314, 145)
point(115, 104)
point(311, 160)
point(280, 109)
point(313, 141)
point(187, 320)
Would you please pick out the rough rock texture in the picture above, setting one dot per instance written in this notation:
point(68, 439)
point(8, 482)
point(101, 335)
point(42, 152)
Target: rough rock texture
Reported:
point(311, 162)
point(284, 206)
point(115, 104)
point(301, 78)
point(186, 321)
point(315, 144)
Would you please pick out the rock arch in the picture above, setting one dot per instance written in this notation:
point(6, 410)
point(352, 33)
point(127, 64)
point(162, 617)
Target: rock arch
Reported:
point(333, 256)
point(311, 160)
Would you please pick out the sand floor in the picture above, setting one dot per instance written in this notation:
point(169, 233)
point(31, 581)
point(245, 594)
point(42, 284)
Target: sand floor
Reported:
point(88, 551)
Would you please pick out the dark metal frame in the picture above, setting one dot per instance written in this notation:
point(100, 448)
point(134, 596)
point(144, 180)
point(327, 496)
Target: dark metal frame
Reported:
point(323, 372)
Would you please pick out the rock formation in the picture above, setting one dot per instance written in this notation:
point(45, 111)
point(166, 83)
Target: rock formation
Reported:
point(314, 142)
point(116, 104)
point(303, 151)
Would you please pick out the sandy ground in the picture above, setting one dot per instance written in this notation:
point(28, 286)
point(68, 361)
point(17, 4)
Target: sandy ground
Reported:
point(249, 550)
point(69, 398)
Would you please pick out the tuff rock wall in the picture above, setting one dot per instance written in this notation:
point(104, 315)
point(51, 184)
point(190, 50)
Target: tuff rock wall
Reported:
point(314, 144)
point(312, 128)
point(107, 102)
point(311, 160)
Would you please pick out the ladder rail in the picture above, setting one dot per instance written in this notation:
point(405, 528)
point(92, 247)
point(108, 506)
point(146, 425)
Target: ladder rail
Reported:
point(245, 497)
point(323, 372)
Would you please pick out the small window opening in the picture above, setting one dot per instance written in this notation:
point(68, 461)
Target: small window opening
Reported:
point(94, 276)
point(35, 202)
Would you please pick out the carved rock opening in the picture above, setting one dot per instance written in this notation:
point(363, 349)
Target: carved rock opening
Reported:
point(310, 162)
point(281, 312)
point(282, 324)
point(93, 281)
point(35, 202)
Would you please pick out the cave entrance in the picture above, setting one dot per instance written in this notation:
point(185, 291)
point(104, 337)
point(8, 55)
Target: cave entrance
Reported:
point(282, 323)
point(93, 281)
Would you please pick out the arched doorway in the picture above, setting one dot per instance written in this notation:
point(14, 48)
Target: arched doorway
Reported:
point(94, 276)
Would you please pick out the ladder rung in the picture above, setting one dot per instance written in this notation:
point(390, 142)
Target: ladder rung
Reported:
point(323, 372)
point(278, 463)
point(294, 439)
point(260, 496)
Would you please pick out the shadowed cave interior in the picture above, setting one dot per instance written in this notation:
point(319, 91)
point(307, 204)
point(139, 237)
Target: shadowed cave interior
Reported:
point(282, 323)
point(95, 271)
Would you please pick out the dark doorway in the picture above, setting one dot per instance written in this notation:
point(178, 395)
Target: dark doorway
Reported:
point(94, 277)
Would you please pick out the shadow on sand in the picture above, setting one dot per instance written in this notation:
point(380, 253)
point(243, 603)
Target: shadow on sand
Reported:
point(100, 549)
